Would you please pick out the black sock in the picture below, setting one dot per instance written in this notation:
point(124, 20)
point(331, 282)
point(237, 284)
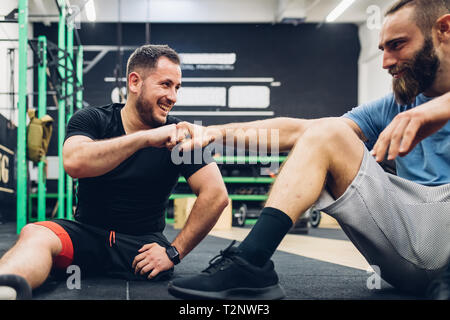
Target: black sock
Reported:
point(265, 236)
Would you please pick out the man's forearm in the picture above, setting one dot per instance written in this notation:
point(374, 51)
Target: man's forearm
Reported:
point(204, 215)
point(281, 131)
point(95, 158)
point(438, 109)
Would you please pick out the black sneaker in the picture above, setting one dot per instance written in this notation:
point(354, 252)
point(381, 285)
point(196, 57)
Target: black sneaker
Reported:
point(230, 277)
point(439, 288)
point(14, 287)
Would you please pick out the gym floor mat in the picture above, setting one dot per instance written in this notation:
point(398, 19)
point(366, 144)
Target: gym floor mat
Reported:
point(302, 278)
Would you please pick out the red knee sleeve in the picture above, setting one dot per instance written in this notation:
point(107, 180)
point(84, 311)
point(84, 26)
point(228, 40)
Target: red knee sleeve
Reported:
point(65, 257)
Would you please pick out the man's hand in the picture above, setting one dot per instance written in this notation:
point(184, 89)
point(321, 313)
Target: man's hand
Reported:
point(408, 128)
point(166, 136)
point(199, 136)
point(151, 258)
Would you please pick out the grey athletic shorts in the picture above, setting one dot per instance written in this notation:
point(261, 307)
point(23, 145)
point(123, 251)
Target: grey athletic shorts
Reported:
point(399, 226)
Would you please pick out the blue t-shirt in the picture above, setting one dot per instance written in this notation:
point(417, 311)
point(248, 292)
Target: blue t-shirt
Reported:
point(429, 162)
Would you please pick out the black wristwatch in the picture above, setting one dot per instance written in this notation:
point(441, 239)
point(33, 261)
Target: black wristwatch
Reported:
point(173, 254)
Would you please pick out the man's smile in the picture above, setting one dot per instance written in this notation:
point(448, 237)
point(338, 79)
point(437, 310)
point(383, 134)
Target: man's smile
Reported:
point(397, 74)
point(164, 107)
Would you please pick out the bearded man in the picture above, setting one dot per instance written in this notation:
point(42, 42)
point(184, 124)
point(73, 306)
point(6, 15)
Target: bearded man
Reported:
point(400, 223)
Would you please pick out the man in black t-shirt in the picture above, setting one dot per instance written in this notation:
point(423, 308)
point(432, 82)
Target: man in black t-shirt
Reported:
point(121, 156)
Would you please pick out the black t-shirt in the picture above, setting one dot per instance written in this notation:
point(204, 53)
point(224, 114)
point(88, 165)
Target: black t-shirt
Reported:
point(132, 197)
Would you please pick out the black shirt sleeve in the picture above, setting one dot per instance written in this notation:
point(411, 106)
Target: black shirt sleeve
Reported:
point(188, 169)
point(85, 122)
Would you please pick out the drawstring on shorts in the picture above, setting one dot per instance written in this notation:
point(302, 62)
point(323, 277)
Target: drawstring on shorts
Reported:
point(112, 238)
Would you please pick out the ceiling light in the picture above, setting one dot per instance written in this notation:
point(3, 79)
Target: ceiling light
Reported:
point(344, 5)
point(90, 11)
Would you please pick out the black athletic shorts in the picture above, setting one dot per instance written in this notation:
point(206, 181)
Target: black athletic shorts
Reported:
point(104, 252)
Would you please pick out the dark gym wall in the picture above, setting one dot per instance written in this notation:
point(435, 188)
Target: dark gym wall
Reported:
point(316, 66)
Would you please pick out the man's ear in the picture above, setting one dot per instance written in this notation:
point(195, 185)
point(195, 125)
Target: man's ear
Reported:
point(443, 28)
point(134, 82)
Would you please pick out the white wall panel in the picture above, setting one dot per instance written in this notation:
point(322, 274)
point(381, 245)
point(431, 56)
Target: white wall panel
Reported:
point(202, 96)
point(249, 97)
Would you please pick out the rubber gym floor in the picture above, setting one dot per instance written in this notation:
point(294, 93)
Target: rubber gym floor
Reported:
point(319, 265)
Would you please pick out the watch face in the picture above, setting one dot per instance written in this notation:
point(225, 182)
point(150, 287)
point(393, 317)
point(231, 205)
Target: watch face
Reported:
point(173, 254)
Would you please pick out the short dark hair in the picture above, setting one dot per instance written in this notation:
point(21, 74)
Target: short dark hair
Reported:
point(426, 12)
point(146, 57)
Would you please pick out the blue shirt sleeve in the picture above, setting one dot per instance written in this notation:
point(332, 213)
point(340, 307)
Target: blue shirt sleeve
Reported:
point(373, 117)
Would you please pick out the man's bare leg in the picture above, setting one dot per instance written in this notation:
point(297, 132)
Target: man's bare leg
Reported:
point(32, 255)
point(329, 153)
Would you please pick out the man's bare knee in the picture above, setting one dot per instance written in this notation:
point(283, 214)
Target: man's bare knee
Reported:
point(330, 134)
point(42, 236)
point(343, 151)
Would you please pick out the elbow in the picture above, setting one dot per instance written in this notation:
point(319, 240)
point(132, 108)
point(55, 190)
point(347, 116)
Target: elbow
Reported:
point(76, 162)
point(72, 168)
point(224, 200)
point(220, 198)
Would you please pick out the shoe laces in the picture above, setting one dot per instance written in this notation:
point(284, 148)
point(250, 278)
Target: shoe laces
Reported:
point(223, 259)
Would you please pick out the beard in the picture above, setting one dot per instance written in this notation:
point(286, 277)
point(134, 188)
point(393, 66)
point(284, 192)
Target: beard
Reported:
point(418, 75)
point(145, 112)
